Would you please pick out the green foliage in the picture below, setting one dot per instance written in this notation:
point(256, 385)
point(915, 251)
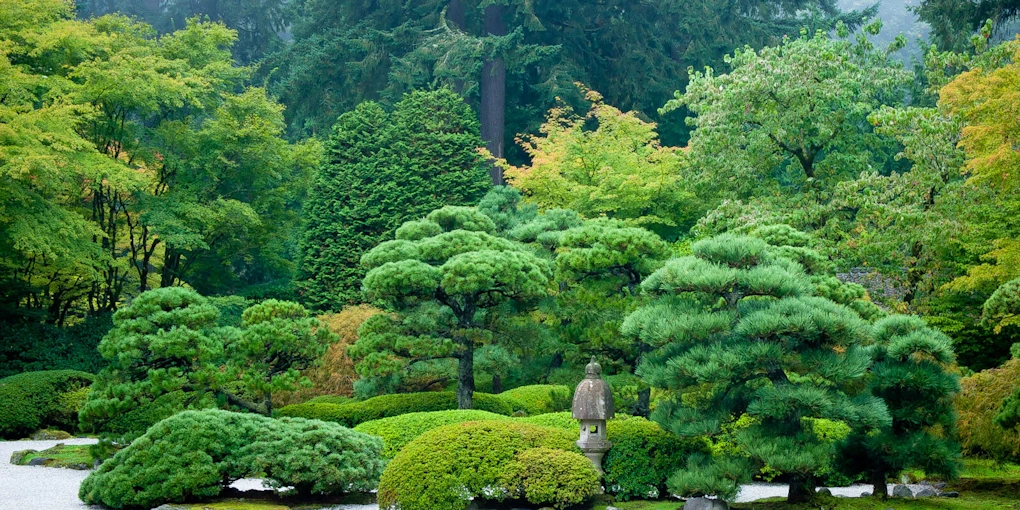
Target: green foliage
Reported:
point(980, 400)
point(548, 476)
point(736, 332)
point(446, 466)
point(166, 354)
point(383, 169)
point(397, 431)
point(1003, 307)
point(34, 400)
point(446, 292)
point(31, 347)
point(913, 374)
point(197, 454)
point(540, 398)
point(616, 170)
point(643, 457)
point(384, 406)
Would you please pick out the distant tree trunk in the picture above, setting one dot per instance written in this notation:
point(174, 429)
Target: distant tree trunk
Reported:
point(643, 407)
point(493, 89)
point(466, 376)
point(455, 13)
point(878, 480)
point(497, 384)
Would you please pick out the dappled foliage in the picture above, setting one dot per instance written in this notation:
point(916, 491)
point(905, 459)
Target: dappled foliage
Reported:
point(34, 400)
point(197, 454)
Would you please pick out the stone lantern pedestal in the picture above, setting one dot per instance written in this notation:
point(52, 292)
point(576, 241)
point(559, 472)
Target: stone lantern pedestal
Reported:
point(593, 405)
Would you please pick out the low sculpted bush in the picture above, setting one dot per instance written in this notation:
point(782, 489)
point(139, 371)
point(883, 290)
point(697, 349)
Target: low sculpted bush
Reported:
point(384, 406)
point(643, 455)
point(553, 477)
point(445, 467)
point(35, 400)
point(980, 399)
point(398, 431)
point(197, 454)
point(539, 398)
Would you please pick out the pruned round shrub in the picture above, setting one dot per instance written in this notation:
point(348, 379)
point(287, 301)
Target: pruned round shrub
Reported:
point(554, 478)
point(445, 467)
point(540, 398)
point(35, 400)
point(198, 453)
point(384, 406)
point(643, 455)
point(397, 431)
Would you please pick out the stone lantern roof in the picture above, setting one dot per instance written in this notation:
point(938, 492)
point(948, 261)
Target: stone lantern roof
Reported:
point(593, 399)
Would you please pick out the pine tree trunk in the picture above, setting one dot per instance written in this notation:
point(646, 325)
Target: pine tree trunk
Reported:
point(643, 407)
point(493, 88)
point(466, 377)
point(878, 480)
point(801, 489)
point(497, 384)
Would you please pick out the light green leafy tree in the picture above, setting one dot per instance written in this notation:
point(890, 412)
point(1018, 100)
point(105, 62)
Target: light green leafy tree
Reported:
point(443, 277)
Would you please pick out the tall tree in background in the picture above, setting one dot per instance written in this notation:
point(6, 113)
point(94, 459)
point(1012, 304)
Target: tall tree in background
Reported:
point(953, 21)
point(381, 170)
point(165, 156)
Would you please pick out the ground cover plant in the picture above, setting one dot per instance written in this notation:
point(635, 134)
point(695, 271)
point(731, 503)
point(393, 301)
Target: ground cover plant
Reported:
point(196, 454)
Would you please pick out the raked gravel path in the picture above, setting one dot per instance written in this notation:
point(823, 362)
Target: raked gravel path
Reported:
point(42, 488)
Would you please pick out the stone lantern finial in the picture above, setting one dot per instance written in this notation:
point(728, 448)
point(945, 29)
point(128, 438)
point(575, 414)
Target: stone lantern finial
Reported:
point(593, 405)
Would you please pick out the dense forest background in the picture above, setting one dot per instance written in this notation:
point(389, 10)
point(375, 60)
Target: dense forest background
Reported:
point(196, 142)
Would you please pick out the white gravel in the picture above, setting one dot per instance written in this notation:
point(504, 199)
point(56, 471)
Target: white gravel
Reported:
point(36, 487)
point(41, 488)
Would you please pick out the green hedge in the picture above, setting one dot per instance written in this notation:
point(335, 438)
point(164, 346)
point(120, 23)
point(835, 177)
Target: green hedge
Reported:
point(384, 406)
point(643, 455)
point(35, 400)
point(539, 398)
point(33, 347)
point(445, 467)
point(397, 431)
point(197, 454)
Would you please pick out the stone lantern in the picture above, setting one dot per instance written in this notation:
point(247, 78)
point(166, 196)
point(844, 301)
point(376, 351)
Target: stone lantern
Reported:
point(593, 405)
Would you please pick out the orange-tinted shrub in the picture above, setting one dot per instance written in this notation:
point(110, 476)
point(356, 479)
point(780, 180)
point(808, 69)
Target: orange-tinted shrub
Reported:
point(979, 399)
point(336, 375)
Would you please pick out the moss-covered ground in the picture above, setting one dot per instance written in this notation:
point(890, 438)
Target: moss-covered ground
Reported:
point(60, 456)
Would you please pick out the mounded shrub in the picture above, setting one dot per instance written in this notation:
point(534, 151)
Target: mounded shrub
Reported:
point(540, 398)
point(197, 454)
point(980, 399)
point(553, 477)
point(643, 455)
point(445, 467)
point(35, 400)
point(397, 431)
point(384, 406)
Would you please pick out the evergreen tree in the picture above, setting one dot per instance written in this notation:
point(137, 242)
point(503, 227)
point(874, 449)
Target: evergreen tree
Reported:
point(444, 278)
point(381, 170)
point(913, 374)
point(737, 335)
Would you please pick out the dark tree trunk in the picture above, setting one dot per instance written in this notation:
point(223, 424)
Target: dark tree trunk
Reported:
point(466, 377)
point(878, 480)
point(801, 489)
point(497, 384)
point(455, 13)
point(643, 407)
point(171, 264)
point(493, 88)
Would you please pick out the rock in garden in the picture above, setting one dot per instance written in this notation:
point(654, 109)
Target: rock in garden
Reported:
point(926, 492)
point(824, 491)
point(705, 504)
point(38, 461)
point(902, 491)
point(950, 494)
point(865, 494)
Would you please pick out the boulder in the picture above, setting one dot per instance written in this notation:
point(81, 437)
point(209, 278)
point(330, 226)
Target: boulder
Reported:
point(902, 491)
point(824, 491)
point(38, 461)
point(950, 494)
point(705, 504)
point(926, 492)
point(865, 494)
point(50, 435)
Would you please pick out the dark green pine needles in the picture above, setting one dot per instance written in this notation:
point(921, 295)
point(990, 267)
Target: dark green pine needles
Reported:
point(747, 349)
point(382, 169)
